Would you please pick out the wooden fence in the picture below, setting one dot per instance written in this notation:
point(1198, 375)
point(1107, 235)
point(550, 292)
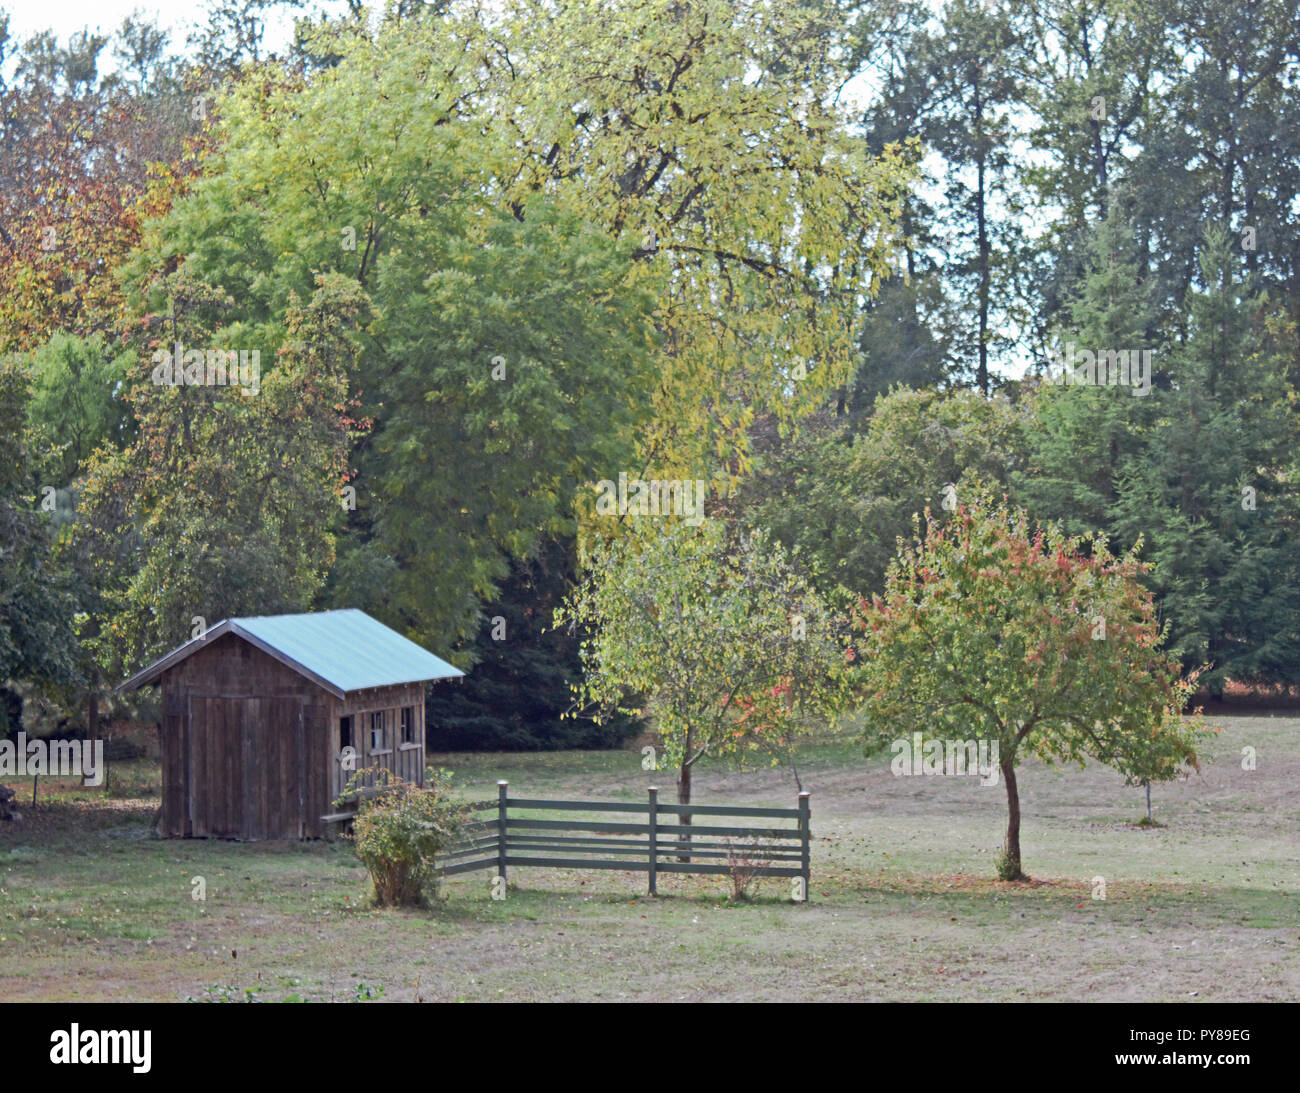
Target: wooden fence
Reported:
point(643, 846)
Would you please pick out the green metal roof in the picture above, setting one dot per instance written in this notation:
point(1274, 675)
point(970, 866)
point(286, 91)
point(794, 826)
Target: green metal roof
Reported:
point(343, 650)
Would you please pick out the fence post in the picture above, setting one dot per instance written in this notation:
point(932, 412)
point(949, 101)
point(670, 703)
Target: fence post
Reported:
point(502, 787)
point(805, 840)
point(654, 845)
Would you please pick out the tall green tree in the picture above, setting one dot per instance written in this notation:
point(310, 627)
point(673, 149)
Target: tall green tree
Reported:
point(907, 329)
point(947, 86)
point(1213, 490)
point(1222, 146)
point(78, 407)
point(844, 501)
point(225, 501)
point(903, 343)
point(503, 358)
point(709, 134)
point(1085, 434)
point(1090, 68)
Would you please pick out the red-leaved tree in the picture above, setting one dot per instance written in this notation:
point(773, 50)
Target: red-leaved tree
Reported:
point(1038, 643)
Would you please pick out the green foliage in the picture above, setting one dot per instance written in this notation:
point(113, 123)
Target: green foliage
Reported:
point(711, 136)
point(1177, 467)
point(37, 594)
point(524, 670)
point(1083, 437)
point(76, 402)
point(1090, 72)
point(902, 345)
point(845, 502)
point(953, 87)
point(545, 300)
point(723, 643)
point(503, 357)
point(399, 831)
point(1224, 68)
point(224, 502)
point(1041, 643)
point(1215, 492)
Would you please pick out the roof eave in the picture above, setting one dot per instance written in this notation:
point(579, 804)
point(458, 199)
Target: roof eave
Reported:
point(150, 674)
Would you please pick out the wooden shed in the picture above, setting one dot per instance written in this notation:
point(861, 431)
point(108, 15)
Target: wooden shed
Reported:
point(258, 714)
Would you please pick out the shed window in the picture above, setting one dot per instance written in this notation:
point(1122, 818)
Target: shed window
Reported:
point(345, 733)
point(408, 725)
point(378, 732)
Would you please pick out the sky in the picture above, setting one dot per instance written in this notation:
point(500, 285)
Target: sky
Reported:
point(180, 17)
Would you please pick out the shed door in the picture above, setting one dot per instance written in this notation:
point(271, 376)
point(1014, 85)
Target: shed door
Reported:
point(246, 768)
point(215, 790)
point(273, 769)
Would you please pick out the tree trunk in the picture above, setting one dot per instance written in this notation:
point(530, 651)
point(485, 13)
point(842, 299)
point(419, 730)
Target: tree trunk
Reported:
point(92, 721)
point(1099, 161)
point(984, 249)
point(1010, 866)
point(684, 798)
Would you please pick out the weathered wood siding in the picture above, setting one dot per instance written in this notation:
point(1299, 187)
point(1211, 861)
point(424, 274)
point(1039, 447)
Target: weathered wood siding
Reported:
point(404, 760)
point(249, 746)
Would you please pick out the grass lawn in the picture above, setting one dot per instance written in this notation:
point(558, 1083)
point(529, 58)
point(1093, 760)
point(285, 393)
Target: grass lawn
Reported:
point(903, 904)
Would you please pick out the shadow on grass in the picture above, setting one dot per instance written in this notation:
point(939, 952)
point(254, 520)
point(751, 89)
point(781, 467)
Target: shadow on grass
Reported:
point(1125, 899)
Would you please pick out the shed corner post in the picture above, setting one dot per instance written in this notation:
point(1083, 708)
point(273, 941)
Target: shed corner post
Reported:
point(502, 789)
point(653, 809)
point(805, 842)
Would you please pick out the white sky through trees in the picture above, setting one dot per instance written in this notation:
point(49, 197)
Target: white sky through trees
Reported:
point(178, 17)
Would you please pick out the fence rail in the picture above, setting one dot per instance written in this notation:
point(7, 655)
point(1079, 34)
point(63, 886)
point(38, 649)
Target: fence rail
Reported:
point(650, 845)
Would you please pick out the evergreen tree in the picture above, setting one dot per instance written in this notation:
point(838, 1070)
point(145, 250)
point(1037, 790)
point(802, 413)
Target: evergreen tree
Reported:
point(1214, 492)
point(900, 346)
point(1221, 145)
point(1085, 434)
point(525, 669)
point(974, 85)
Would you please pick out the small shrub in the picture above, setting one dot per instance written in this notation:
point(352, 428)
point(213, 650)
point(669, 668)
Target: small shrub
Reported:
point(744, 863)
point(399, 831)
